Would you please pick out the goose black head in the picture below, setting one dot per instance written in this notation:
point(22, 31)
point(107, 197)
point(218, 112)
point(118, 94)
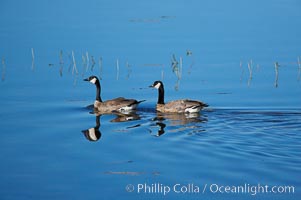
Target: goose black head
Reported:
point(157, 84)
point(92, 79)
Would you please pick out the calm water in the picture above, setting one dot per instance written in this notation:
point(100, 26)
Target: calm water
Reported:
point(240, 58)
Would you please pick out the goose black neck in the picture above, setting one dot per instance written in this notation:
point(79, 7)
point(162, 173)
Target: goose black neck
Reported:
point(98, 98)
point(161, 95)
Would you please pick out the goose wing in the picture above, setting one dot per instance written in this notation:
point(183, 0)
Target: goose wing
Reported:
point(190, 103)
point(121, 104)
point(184, 105)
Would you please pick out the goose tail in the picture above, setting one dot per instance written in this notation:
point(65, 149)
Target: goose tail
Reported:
point(137, 102)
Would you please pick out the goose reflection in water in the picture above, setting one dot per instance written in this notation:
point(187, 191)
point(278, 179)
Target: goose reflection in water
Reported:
point(125, 116)
point(93, 134)
point(177, 120)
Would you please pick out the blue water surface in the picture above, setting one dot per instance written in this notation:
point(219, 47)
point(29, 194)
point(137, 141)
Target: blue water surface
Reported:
point(241, 57)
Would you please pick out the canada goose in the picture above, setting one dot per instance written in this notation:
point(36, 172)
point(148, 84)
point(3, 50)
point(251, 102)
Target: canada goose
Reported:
point(119, 104)
point(177, 106)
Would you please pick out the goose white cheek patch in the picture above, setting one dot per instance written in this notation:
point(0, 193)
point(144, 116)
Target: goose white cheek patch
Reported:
point(93, 80)
point(158, 85)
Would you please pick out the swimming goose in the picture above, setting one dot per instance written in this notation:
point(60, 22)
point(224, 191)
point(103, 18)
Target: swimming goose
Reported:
point(119, 104)
point(177, 106)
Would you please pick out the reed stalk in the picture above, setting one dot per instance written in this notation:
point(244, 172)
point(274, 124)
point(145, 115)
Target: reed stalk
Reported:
point(3, 69)
point(299, 69)
point(242, 70)
point(84, 64)
point(181, 67)
point(32, 59)
point(250, 67)
point(74, 64)
point(100, 66)
point(88, 60)
point(128, 66)
point(93, 63)
point(70, 62)
point(276, 66)
point(61, 63)
point(117, 69)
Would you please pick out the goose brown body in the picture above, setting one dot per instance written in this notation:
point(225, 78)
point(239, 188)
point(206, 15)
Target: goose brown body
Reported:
point(119, 104)
point(176, 106)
